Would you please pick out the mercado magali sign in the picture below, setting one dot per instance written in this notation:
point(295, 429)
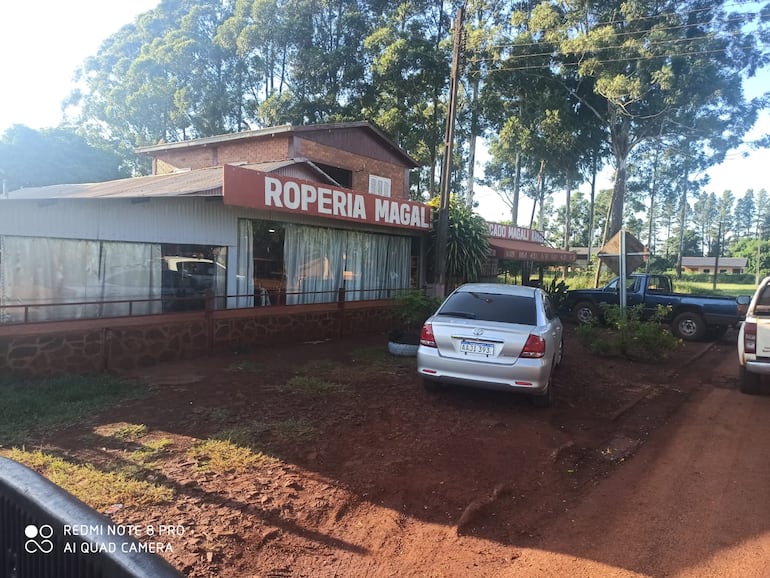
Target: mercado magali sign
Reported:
point(514, 233)
point(520, 244)
point(271, 192)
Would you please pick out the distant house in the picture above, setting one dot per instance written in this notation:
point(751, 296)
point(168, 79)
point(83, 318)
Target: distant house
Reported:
point(725, 265)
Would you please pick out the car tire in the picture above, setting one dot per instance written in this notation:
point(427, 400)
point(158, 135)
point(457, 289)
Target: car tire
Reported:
point(749, 382)
point(585, 313)
point(689, 326)
point(545, 400)
point(561, 352)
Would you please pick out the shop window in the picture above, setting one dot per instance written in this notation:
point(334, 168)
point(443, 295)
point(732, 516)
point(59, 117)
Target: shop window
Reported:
point(269, 277)
point(191, 272)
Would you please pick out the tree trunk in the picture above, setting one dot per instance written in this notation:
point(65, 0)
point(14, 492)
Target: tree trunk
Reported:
point(682, 219)
point(620, 131)
point(653, 190)
point(516, 188)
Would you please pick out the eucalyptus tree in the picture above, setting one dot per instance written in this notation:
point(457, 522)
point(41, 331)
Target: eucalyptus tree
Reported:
point(328, 70)
point(705, 212)
point(409, 56)
point(161, 78)
point(260, 34)
point(511, 101)
point(724, 223)
point(745, 208)
point(662, 68)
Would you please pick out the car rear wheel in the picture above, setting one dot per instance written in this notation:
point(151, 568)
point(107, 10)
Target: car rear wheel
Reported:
point(546, 399)
point(689, 326)
point(749, 382)
point(585, 312)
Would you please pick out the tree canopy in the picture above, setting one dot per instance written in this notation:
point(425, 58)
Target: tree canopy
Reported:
point(653, 89)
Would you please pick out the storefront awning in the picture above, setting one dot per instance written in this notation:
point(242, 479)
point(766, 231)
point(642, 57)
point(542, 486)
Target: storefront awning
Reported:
point(524, 251)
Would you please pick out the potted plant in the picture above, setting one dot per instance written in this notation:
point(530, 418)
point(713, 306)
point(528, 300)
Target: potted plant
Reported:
point(411, 311)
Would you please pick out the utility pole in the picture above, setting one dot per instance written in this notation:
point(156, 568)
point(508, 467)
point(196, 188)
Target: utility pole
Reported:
point(442, 234)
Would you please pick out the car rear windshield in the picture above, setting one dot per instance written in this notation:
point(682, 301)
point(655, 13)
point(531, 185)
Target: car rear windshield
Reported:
point(491, 307)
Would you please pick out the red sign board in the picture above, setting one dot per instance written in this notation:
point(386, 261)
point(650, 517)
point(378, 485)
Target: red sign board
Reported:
point(271, 192)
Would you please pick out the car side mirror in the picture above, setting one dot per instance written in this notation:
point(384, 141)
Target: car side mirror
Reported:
point(743, 299)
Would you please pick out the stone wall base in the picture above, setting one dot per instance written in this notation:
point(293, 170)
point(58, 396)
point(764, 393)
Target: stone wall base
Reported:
point(97, 345)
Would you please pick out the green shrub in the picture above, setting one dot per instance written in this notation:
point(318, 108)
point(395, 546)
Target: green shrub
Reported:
point(628, 335)
point(557, 291)
point(413, 308)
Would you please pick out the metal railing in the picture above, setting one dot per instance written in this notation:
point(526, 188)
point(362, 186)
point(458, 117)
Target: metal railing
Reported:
point(28, 313)
point(47, 533)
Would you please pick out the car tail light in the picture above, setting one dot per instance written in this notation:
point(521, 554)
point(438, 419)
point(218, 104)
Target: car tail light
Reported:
point(749, 337)
point(534, 347)
point(426, 336)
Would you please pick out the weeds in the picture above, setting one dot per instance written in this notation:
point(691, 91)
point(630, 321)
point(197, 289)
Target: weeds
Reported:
point(98, 489)
point(31, 405)
point(628, 335)
point(126, 431)
point(221, 456)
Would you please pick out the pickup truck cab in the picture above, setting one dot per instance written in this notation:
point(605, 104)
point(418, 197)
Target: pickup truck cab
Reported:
point(692, 317)
point(754, 340)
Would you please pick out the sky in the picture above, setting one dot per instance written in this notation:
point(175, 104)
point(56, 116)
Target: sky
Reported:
point(43, 42)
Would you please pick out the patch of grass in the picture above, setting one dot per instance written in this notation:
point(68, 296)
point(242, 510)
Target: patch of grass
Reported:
point(31, 405)
point(149, 451)
point(125, 431)
point(309, 384)
point(221, 456)
point(98, 489)
point(296, 429)
point(249, 434)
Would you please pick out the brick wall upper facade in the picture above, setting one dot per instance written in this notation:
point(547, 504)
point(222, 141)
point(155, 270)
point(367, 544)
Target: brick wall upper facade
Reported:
point(360, 166)
point(364, 156)
point(246, 151)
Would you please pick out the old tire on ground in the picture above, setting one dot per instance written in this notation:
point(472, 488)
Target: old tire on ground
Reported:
point(749, 382)
point(689, 326)
point(585, 312)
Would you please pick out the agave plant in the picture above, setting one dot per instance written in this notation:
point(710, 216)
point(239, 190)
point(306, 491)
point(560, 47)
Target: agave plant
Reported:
point(467, 245)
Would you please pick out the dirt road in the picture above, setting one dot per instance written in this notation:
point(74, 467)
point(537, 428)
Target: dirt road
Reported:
point(693, 502)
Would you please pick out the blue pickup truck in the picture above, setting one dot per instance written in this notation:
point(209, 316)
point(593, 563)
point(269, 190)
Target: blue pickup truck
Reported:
point(692, 317)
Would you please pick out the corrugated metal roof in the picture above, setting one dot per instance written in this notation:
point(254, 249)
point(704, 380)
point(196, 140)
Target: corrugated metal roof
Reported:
point(205, 182)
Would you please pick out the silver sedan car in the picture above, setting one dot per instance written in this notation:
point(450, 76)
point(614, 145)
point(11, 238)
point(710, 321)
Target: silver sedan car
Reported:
point(493, 336)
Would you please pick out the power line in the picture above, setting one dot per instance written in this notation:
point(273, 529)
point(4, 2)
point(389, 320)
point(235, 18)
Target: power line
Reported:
point(601, 48)
point(611, 60)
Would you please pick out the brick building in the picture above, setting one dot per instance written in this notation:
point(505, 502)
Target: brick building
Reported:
point(284, 215)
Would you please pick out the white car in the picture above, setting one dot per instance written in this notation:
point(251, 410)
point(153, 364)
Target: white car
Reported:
point(754, 340)
point(493, 336)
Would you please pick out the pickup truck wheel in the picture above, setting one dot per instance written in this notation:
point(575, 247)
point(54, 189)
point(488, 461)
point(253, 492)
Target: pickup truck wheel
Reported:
point(585, 312)
point(689, 326)
point(749, 382)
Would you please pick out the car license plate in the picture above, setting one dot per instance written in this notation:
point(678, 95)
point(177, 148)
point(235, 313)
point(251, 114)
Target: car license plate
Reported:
point(478, 347)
